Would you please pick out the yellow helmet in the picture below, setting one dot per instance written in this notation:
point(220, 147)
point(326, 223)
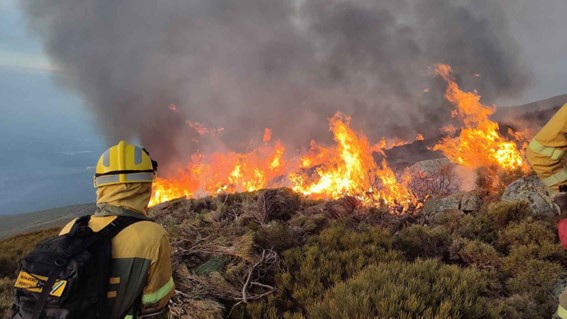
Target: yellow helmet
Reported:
point(124, 163)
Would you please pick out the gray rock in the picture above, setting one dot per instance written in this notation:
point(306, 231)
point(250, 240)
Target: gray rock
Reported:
point(465, 202)
point(531, 190)
point(436, 205)
point(430, 166)
point(470, 202)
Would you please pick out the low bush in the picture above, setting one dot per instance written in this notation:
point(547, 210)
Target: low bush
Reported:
point(423, 241)
point(421, 289)
point(474, 252)
point(337, 254)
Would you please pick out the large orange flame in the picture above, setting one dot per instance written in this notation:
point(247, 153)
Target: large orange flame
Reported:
point(479, 143)
point(348, 168)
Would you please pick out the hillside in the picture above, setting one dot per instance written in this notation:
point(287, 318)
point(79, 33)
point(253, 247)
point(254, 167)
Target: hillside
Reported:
point(13, 225)
point(511, 112)
point(276, 254)
point(491, 252)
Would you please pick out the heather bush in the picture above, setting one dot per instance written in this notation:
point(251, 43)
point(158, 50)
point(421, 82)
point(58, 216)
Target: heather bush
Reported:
point(421, 289)
point(474, 252)
point(423, 241)
point(338, 253)
point(502, 213)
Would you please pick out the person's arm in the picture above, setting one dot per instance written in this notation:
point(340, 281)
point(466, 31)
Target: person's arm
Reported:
point(160, 286)
point(547, 149)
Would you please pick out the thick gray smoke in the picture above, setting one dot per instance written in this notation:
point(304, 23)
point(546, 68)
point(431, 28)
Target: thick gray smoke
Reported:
point(288, 65)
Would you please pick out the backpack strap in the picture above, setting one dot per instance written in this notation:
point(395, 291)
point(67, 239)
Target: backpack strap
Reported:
point(108, 232)
point(118, 224)
point(45, 291)
point(82, 221)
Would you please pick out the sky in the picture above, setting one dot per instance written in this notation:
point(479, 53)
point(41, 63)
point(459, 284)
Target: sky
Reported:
point(49, 140)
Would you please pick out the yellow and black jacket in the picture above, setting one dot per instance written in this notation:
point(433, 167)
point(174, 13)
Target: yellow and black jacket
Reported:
point(547, 149)
point(140, 281)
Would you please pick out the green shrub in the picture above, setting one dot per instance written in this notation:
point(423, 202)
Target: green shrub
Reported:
point(474, 252)
point(537, 279)
point(518, 306)
point(421, 289)
point(336, 254)
point(477, 227)
point(503, 213)
point(423, 241)
point(527, 233)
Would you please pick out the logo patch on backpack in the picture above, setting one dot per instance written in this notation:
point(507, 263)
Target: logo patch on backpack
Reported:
point(35, 283)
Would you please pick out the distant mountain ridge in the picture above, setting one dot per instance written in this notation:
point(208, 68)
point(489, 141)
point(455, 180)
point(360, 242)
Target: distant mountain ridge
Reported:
point(505, 113)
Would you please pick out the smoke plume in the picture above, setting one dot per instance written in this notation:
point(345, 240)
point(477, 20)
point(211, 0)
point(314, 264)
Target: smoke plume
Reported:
point(149, 68)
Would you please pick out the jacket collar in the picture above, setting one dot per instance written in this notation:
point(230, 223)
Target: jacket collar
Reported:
point(104, 209)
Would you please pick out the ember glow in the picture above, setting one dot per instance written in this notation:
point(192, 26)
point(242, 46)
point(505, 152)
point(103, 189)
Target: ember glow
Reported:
point(479, 143)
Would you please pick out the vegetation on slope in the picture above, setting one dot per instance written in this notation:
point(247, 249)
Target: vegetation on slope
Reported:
point(275, 254)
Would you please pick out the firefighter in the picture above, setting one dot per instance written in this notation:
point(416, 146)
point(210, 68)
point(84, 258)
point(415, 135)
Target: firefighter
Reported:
point(141, 281)
point(545, 154)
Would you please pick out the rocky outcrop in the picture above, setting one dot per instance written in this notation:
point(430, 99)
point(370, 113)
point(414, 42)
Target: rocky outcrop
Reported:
point(465, 202)
point(531, 190)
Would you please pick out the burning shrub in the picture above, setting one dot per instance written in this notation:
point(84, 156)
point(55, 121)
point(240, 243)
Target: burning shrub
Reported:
point(424, 288)
point(435, 182)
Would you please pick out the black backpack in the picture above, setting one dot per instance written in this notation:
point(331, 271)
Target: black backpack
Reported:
point(67, 276)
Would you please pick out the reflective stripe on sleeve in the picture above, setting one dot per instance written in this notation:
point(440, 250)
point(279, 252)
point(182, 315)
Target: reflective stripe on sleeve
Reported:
point(551, 152)
point(158, 294)
point(556, 178)
point(561, 312)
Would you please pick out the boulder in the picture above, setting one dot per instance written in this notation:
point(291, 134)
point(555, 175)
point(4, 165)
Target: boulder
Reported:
point(430, 166)
point(465, 202)
point(531, 190)
point(470, 202)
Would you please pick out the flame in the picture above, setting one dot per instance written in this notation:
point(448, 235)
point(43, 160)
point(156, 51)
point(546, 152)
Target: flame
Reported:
point(347, 168)
point(479, 143)
point(201, 129)
point(267, 135)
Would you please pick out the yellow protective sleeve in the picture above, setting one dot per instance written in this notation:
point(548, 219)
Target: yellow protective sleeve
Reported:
point(160, 287)
point(547, 148)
